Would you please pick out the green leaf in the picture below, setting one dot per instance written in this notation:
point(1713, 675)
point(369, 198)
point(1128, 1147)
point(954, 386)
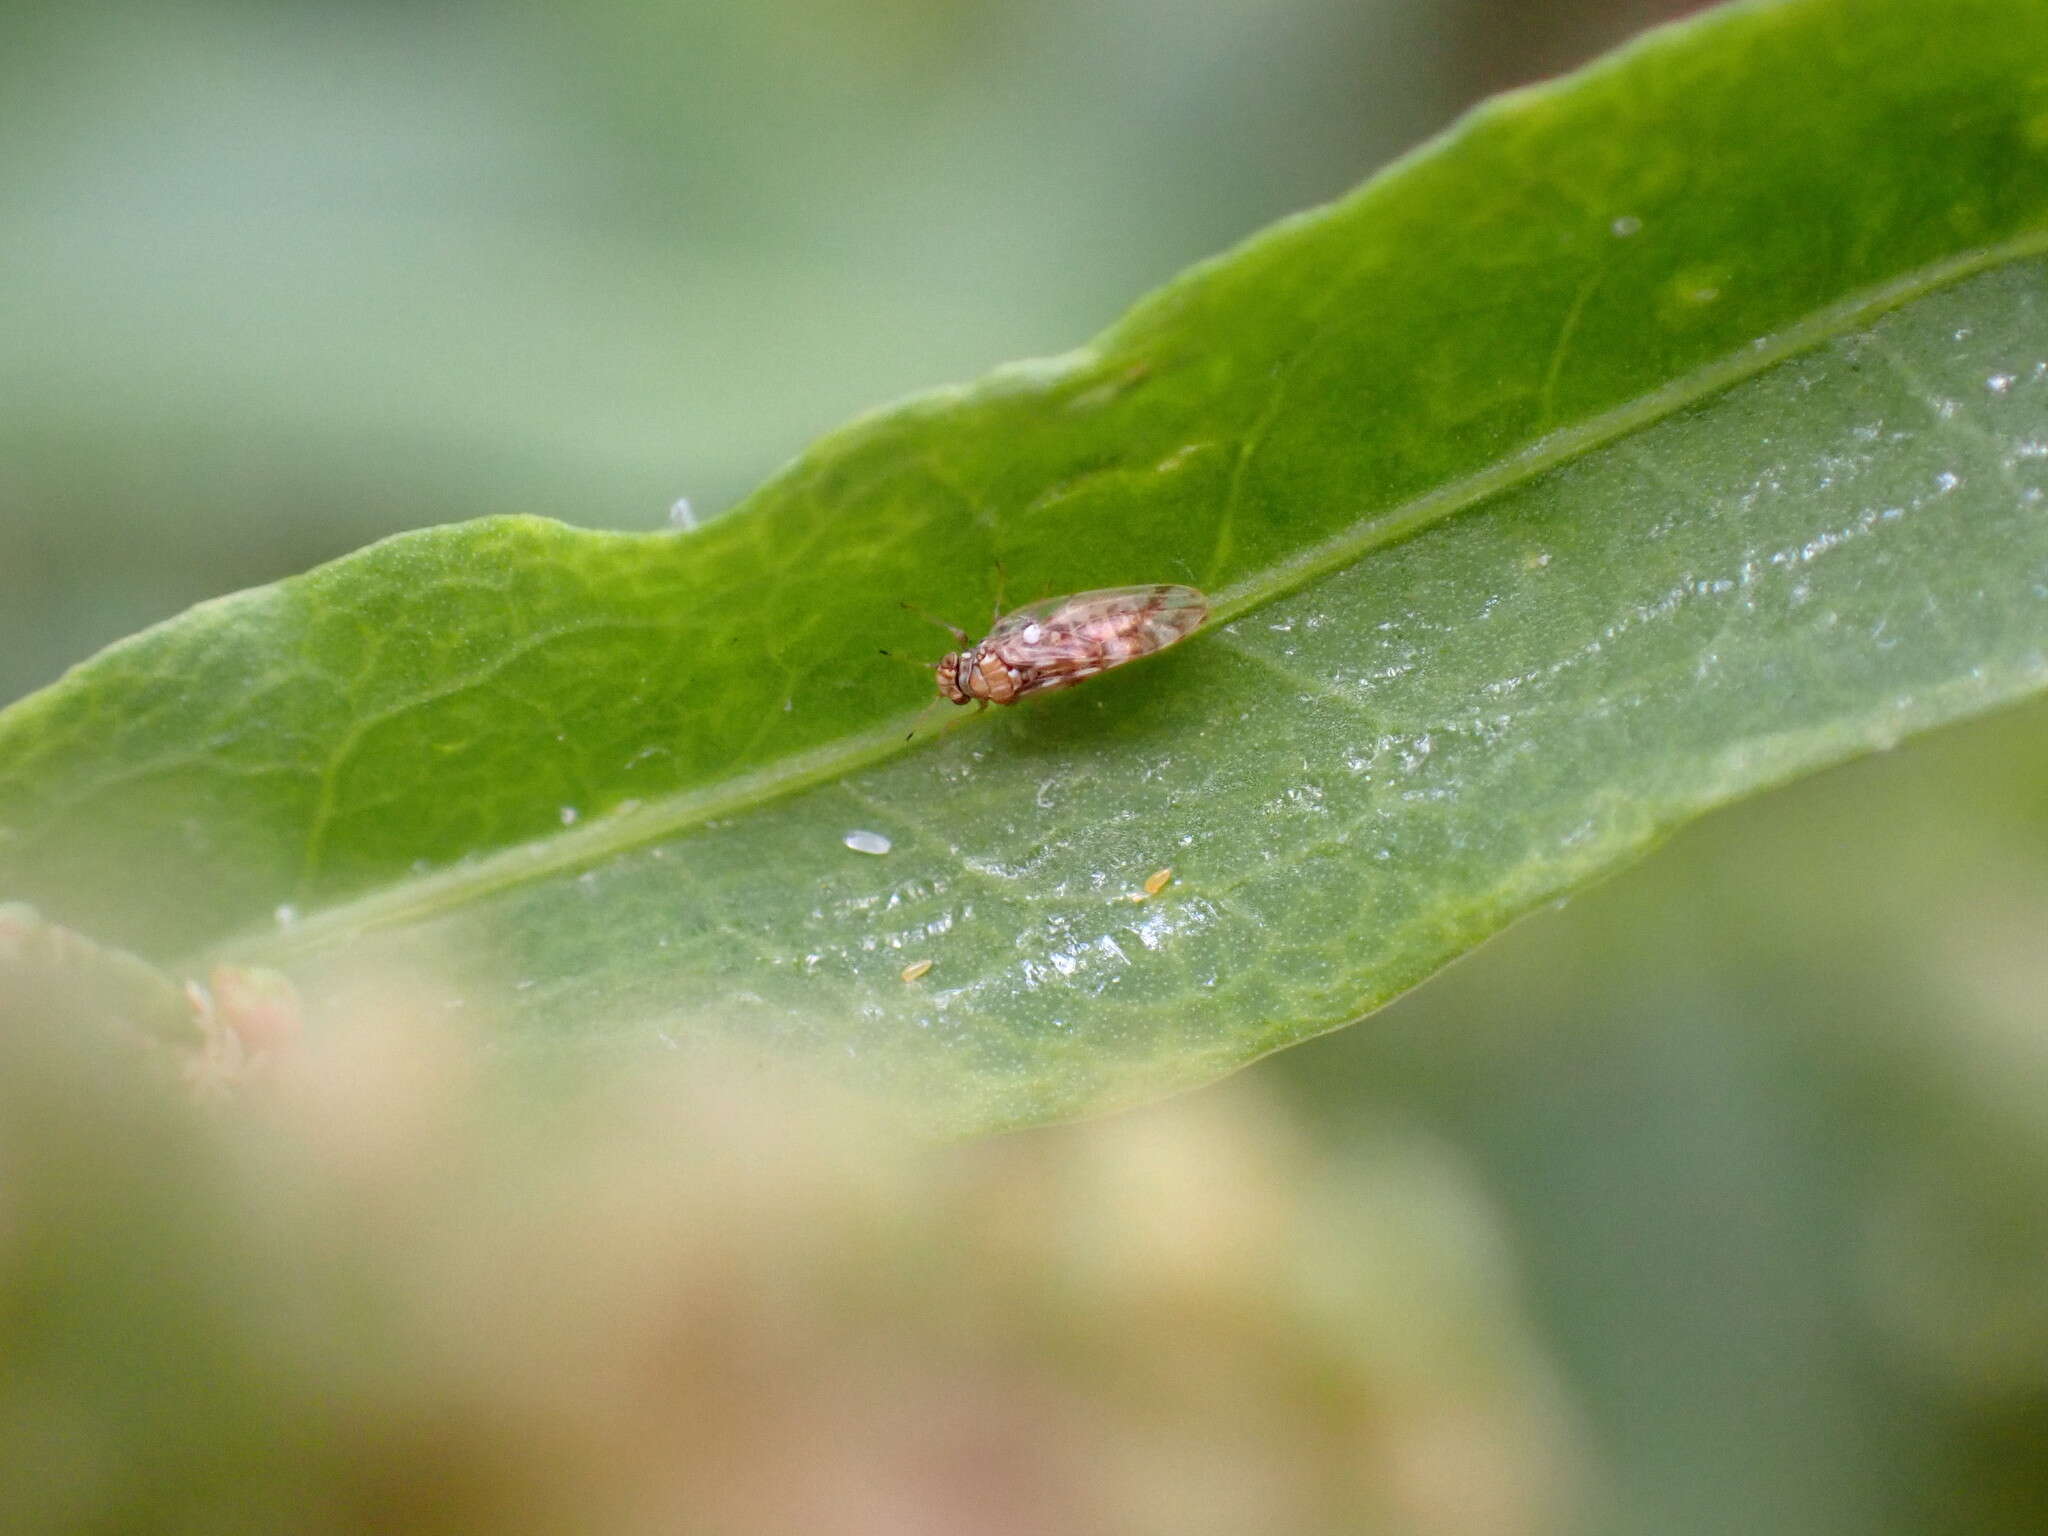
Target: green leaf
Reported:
point(1651, 438)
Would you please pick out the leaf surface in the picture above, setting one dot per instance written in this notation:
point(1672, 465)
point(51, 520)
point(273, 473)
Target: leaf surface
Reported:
point(1651, 438)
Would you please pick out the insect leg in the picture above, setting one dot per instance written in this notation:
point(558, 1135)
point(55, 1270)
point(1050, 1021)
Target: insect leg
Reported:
point(922, 714)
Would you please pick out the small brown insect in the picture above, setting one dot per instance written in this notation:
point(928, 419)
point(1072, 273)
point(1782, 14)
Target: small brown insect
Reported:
point(916, 969)
point(1067, 640)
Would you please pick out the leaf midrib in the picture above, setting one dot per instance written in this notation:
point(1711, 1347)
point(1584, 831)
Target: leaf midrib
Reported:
point(574, 849)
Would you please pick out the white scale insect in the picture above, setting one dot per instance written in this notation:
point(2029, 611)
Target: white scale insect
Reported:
point(1067, 640)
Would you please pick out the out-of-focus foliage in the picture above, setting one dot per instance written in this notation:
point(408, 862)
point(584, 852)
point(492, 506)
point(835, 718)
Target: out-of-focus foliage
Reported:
point(710, 1301)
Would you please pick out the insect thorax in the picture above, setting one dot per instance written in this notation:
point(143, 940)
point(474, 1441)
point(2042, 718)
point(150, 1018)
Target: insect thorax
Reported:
point(992, 677)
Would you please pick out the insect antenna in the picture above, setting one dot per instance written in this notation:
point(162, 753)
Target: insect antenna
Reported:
point(952, 629)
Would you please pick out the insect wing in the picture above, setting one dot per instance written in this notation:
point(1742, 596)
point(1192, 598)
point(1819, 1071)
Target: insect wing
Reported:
point(1067, 639)
point(1154, 616)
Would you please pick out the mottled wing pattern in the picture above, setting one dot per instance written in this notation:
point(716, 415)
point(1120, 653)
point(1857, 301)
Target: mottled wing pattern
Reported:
point(1066, 640)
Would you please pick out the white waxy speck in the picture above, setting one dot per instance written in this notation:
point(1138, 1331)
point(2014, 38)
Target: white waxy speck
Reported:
point(680, 515)
point(287, 916)
point(1628, 224)
point(1999, 383)
point(1033, 634)
point(861, 841)
point(569, 815)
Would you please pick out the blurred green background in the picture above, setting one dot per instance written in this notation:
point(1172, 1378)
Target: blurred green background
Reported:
point(1760, 1129)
